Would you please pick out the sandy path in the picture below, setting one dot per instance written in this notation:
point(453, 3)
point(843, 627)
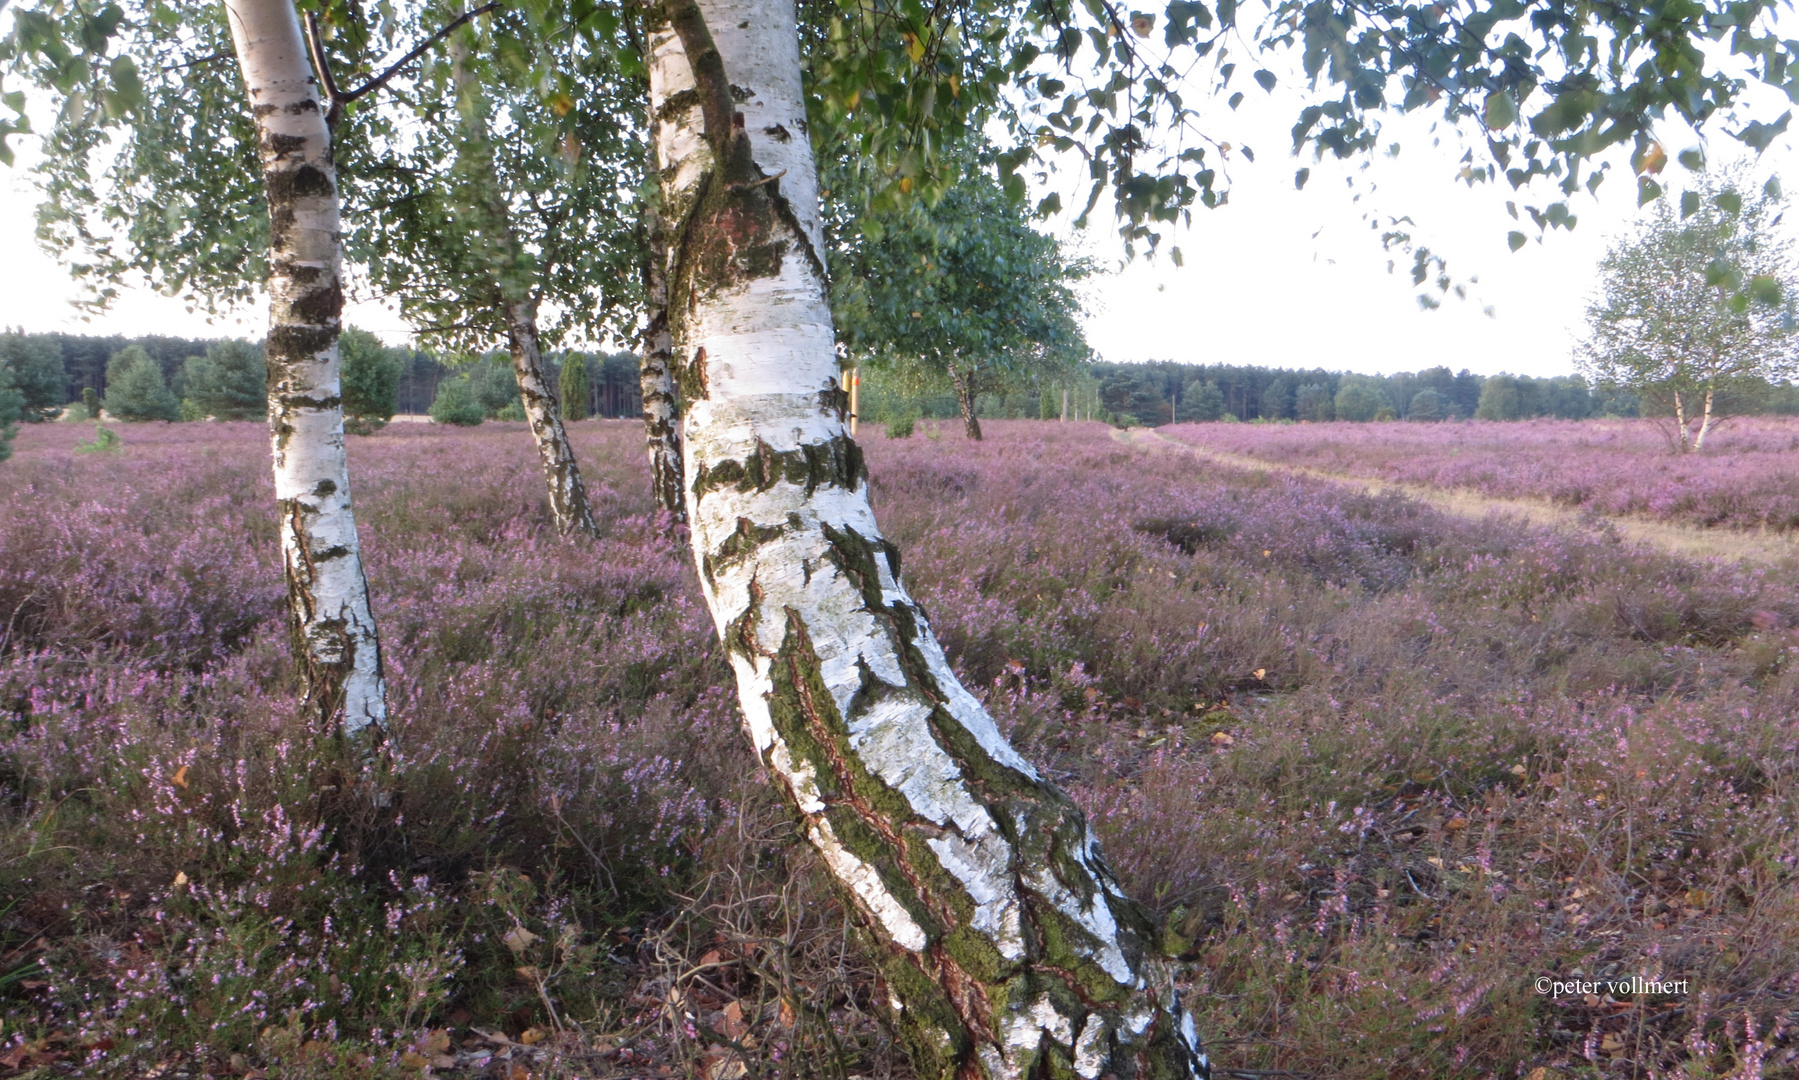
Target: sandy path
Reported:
point(1682, 540)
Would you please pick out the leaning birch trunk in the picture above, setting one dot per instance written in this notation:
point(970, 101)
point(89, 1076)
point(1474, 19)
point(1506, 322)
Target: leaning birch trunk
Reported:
point(963, 382)
point(512, 272)
point(328, 596)
point(1005, 946)
point(656, 378)
point(1705, 422)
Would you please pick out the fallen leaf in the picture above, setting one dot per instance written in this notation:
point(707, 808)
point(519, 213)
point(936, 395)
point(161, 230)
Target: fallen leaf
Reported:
point(518, 939)
point(1456, 823)
point(529, 973)
point(723, 1068)
point(1434, 861)
point(180, 878)
point(1521, 772)
point(1261, 671)
point(1222, 738)
point(711, 957)
point(532, 1036)
point(1611, 1044)
point(734, 1027)
point(434, 1042)
point(786, 1017)
point(180, 777)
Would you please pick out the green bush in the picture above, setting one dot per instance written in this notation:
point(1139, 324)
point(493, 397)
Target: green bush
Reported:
point(370, 379)
point(455, 404)
point(229, 383)
point(106, 441)
point(135, 389)
point(492, 384)
point(900, 427)
point(514, 412)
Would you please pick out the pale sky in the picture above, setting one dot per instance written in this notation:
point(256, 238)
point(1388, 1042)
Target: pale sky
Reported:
point(1277, 277)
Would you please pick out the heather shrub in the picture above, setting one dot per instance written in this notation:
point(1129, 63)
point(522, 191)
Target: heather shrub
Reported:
point(1743, 480)
point(1378, 768)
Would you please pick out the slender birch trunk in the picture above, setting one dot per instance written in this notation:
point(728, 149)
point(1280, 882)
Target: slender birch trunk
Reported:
point(513, 276)
point(1680, 422)
point(328, 596)
point(963, 382)
point(1705, 422)
point(656, 378)
point(1006, 948)
point(1065, 405)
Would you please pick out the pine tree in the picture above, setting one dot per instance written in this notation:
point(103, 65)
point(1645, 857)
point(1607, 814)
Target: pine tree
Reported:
point(230, 382)
point(135, 389)
point(571, 386)
point(37, 373)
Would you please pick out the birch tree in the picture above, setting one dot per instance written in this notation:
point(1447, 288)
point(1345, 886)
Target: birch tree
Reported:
point(1005, 944)
point(963, 289)
point(328, 598)
point(1691, 312)
point(661, 403)
point(512, 291)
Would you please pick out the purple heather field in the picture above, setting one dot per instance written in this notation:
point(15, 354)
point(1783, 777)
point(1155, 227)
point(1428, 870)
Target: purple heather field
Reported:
point(1746, 478)
point(1382, 770)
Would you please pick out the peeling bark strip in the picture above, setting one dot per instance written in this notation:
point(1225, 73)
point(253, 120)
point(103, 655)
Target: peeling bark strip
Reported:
point(512, 274)
point(334, 631)
point(1006, 947)
point(661, 416)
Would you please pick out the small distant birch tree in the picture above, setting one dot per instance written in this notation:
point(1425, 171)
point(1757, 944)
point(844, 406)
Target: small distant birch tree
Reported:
point(1693, 310)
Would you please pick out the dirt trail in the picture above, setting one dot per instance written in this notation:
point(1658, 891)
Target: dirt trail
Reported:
point(1681, 540)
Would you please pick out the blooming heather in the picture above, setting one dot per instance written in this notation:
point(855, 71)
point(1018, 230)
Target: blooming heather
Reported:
point(1380, 769)
point(1746, 478)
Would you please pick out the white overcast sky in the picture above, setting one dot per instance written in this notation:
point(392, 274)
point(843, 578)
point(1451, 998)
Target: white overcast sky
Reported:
point(1278, 277)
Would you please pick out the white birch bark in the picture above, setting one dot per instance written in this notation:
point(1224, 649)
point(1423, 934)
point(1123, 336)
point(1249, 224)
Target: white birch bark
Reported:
point(518, 304)
point(334, 630)
point(1680, 422)
point(655, 374)
point(1006, 946)
point(1705, 422)
point(963, 381)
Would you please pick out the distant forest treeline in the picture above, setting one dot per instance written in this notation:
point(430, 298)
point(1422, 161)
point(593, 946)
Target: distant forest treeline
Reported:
point(1165, 392)
point(612, 377)
point(1160, 392)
